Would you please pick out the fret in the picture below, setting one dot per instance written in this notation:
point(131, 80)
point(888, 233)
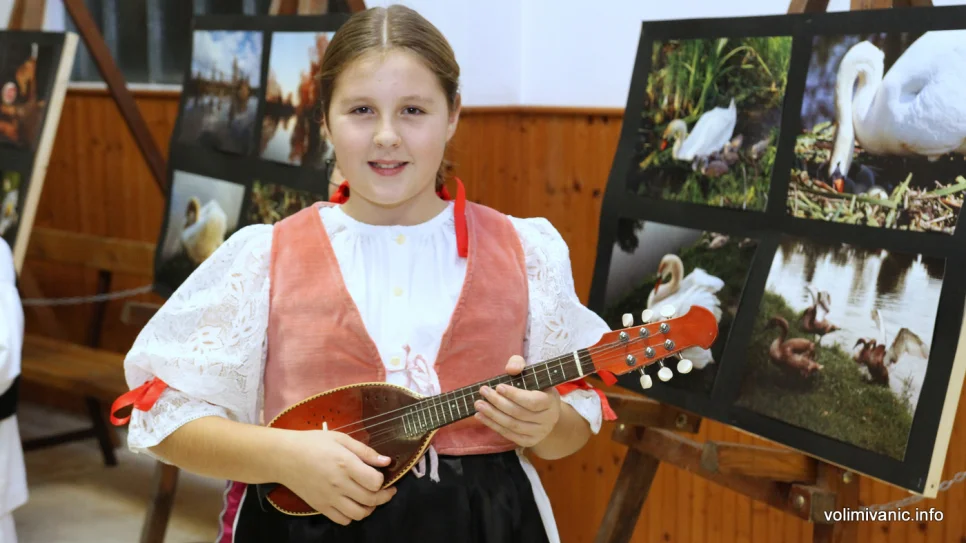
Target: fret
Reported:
point(464, 395)
point(451, 403)
point(546, 367)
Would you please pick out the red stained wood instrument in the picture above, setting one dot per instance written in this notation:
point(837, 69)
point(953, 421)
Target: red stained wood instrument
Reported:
point(400, 424)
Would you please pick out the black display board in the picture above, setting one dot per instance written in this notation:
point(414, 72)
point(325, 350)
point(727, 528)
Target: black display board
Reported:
point(802, 176)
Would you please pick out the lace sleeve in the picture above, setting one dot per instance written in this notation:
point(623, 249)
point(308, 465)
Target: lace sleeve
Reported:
point(558, 322)
point(207, 342)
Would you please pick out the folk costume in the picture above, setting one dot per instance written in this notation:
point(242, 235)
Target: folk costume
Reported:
point(319, 300)
point(13, 474)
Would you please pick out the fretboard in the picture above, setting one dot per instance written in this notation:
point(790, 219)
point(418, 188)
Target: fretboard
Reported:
point(438, 411)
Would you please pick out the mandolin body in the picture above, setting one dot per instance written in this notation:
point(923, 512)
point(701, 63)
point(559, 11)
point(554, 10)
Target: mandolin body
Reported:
point(366, 413)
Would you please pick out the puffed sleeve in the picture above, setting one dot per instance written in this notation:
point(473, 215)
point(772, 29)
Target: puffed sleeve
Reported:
point(206, 345)
point(559, 323)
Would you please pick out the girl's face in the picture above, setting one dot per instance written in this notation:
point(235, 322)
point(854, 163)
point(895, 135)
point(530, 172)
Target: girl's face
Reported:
point(389, 123)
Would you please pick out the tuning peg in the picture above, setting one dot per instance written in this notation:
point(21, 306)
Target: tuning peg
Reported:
point(646, 316)
point(627, 320)
point(685, 366)
point(667, 311)
point(665, 372)
point(646, 382)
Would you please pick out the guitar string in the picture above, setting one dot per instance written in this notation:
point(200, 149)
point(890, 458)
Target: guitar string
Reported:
point(393, 431)
point(435, 405)
point(475, 387)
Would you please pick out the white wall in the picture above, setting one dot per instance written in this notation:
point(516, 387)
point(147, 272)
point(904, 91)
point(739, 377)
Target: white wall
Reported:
point(564, 52)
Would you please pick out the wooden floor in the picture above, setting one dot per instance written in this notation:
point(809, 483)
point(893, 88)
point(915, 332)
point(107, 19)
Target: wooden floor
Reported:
point(74, 498)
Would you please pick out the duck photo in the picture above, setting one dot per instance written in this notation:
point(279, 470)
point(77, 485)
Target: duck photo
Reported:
point(202, 214)
point(841, 341)
point(671, 266)
point(272, 202)
point(883, 131)
point(711, 116)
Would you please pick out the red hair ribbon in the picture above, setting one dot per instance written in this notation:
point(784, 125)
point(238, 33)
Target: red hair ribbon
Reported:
point(142, 397)
point(462, 239)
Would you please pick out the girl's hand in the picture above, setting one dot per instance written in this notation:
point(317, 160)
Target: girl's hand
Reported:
point(525, 417)
point(333, 473)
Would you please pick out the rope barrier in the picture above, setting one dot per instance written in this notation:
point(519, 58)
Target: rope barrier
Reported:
point(27, 302)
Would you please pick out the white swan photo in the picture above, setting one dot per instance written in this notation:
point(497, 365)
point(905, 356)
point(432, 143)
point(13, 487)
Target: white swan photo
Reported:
point(680, 267)
point(710, 121)
point(202, 214)
point(884, 127)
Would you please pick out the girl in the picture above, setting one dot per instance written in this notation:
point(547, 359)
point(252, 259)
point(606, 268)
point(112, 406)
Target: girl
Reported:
point(395, 283)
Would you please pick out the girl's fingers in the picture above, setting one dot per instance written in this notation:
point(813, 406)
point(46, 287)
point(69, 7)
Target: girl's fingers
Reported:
point(515, 437)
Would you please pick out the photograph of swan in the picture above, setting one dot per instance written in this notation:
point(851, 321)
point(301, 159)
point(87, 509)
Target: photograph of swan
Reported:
point(12, 195)
point(292, 126)
point(841, 342)
point(220, 95)
point(883, 131)
point(202, 213)
point(271, 202)
point(680, 267)
point(710, 121)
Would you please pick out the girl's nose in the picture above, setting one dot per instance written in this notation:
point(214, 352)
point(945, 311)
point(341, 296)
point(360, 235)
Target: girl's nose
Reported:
point(386, 135)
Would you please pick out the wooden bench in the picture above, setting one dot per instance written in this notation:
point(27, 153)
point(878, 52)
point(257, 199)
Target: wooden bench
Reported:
point(82, 370)
point(88, 371)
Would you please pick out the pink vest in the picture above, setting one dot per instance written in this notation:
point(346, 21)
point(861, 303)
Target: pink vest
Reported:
point(317, 340)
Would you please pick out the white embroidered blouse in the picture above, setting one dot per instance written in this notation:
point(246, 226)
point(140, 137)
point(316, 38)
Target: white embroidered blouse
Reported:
point(207, 342)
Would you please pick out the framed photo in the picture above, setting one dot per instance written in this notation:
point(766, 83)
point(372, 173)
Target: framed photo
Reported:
point(34, 74)
point(802, 176)
point(248, 146)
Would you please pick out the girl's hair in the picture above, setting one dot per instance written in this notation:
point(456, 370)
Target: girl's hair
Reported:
point(382, 29)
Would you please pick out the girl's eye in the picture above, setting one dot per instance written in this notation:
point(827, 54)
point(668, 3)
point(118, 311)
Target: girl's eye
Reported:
point(413, 110)
point(359, 109)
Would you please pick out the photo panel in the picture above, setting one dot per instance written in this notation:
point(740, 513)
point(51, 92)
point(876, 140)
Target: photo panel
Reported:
point(27, 71)
point(842, 341)
point(883, 127)
point(269, 203)
point(711, 116)
point(202, 213)
point(13, 192)
point(653, 265)
point(221, 91)
point(292, 122)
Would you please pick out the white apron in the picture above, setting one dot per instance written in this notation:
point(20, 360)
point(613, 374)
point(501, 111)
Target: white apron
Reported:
point(13, 476)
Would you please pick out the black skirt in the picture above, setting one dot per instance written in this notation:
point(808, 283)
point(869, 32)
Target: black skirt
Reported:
point(478, 499)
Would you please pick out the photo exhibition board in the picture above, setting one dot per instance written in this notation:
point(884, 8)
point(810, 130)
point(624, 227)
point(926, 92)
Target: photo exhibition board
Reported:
point(248, 146)
point(801, 176)
point(34, 73)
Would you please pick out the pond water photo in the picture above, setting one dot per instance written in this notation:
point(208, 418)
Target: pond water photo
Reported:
point(221, 94)
point(841, 341)
point(883, 132)
point(292, 125)
point(710, 121)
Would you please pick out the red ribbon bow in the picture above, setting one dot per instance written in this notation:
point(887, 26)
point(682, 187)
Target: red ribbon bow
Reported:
point(142, 398)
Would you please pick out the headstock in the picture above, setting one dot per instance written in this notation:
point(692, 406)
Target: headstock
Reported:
point(636, 347)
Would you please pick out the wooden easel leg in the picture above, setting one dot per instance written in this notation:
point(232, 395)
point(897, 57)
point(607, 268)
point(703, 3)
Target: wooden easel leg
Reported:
point(162, 502)
point(845, 486)
point(626, 501)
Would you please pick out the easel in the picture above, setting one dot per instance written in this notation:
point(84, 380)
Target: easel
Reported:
point(781, 478)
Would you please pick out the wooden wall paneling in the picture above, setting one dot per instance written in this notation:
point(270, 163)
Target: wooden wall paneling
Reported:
point(549, 162)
